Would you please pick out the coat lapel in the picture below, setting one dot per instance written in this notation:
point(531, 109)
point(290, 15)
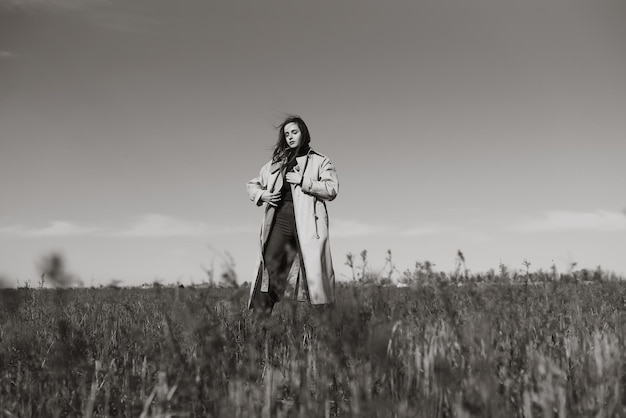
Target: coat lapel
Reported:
point(302, 163)
point(275, 167)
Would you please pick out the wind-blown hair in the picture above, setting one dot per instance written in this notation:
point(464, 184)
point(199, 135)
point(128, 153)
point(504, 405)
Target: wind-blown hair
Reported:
point(282, 152)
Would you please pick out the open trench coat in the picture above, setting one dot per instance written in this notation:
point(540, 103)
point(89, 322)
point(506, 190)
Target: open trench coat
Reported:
point(311, 276)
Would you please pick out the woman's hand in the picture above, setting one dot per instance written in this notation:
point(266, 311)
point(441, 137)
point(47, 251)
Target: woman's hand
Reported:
point(294, 177)
point(271, 199)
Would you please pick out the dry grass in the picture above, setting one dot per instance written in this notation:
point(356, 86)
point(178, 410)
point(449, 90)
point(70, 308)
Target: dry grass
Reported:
point(430, 350)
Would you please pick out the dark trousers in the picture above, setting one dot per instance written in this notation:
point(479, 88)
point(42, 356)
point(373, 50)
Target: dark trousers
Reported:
point(280, 251)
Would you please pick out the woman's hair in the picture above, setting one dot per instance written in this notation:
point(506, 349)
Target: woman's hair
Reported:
point(282, 150)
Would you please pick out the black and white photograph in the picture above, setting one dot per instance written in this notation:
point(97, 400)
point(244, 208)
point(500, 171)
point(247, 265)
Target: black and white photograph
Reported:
point(313, 208)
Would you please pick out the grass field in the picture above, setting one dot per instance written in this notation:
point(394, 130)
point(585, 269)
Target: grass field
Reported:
point(489, 348)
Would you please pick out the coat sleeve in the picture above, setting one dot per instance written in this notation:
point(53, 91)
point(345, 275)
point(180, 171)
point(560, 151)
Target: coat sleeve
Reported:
point(326, 186)
point(258, 185)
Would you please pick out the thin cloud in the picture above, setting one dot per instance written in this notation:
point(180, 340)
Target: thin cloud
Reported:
point(55, 229)
point(156, 225)
point(7, 55)
point(342, 228)
point(103, 13)
point(558, 220)
point(423, 230)
point(59, 4)
point(11, 230)
point(149, 225)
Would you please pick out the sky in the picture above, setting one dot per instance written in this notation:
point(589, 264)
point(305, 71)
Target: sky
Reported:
point(128, 131)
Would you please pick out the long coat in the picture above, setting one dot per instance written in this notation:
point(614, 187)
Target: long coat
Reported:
point(311, 275)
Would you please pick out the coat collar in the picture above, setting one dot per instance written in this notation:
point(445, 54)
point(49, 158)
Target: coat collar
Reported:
point(277, 165)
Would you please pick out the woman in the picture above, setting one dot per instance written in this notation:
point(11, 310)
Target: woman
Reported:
point(294, 252)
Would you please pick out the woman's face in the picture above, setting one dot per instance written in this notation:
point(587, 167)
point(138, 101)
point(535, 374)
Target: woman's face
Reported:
point(293, 136)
